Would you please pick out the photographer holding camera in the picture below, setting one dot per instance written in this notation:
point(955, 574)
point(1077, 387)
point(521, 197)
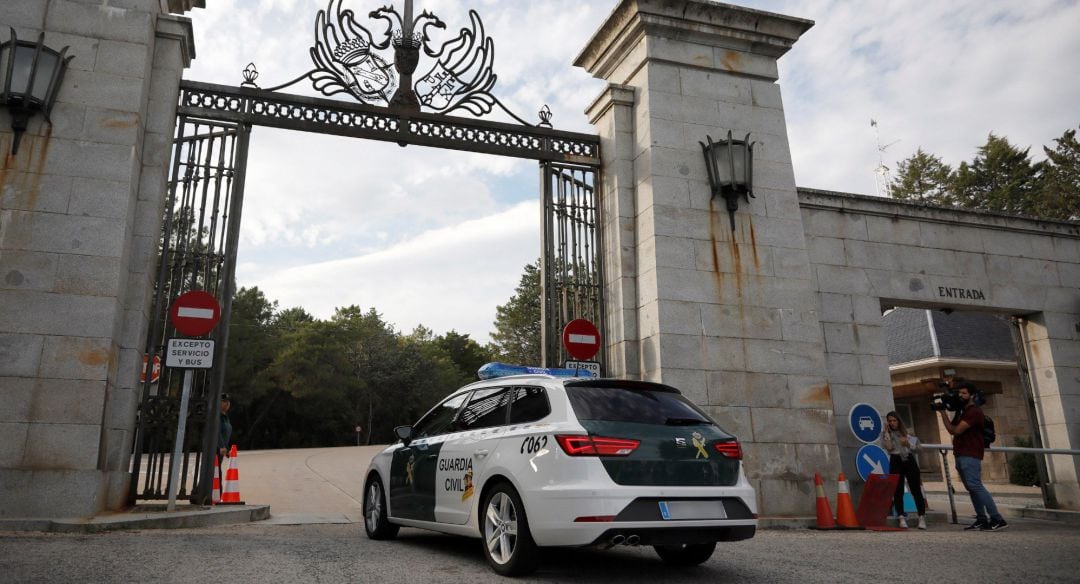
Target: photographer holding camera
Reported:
point(967, 430)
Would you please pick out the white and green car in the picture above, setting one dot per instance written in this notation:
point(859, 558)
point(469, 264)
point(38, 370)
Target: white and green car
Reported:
point(532, 461)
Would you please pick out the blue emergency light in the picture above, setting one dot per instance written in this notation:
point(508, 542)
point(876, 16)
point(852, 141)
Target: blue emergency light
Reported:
point(496, 369)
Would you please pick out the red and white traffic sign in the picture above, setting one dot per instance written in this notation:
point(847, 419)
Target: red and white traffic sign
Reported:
point(155, 373)
point(581, 339)
point(195, 313)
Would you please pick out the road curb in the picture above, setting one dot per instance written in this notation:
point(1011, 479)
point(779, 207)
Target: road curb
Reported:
point(144, 517)
point(1059, 515)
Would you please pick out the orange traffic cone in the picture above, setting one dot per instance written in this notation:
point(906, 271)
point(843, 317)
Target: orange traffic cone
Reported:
point(215, 496)
point(824, 513)
point(845, 513)
point(231, 494)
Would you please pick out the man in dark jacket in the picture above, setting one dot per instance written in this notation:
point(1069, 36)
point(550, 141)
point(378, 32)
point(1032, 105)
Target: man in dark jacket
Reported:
point(225, 428)
point(966, 428)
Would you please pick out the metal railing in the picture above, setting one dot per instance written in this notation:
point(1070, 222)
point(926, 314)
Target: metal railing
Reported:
point(944, 448)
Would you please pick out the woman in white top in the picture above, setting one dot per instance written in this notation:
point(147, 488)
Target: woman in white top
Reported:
point(901, 446)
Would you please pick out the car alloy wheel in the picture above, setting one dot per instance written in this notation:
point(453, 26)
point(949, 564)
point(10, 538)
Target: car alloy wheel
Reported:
point(375, 522)
point(508, 545)
point(500, 528)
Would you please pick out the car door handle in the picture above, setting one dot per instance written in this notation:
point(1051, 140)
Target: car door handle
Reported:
point(481, 453)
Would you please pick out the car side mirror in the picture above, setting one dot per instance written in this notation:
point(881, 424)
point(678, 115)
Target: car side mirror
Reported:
point(404, 433)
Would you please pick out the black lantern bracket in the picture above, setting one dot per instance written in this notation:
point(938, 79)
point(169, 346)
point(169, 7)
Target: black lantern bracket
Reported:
point(30, 77)
point(730, 166)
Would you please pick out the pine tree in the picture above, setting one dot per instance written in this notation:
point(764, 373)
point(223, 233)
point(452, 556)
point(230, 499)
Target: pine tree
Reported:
point(517, 323)
point(1001, 178)
point(1060, 194)
point(923, 178)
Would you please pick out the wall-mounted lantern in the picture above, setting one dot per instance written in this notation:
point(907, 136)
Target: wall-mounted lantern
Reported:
point(30, 77)
point(730, 165)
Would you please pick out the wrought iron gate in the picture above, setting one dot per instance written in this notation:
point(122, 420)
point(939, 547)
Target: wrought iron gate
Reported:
point(571, 266)
point(202, 215)
point(197, 252)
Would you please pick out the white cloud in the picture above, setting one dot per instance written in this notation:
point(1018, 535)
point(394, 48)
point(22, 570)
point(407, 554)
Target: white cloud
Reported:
point(936, 75)
point(447, 278)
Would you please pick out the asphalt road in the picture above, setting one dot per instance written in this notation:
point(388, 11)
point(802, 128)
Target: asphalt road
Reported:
point(1029, 551)
point(315, 536)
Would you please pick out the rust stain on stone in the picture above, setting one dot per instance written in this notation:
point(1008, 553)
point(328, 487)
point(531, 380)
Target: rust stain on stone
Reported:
point(731, 61)
point(43, 152)
point(753, 244)
point(94, 357)
point(119, 123)
point(26, 184)
point(736, 265)
point(718, 276)
point(819, 394)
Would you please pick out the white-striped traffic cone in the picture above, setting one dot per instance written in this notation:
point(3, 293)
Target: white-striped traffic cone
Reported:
point(845, 513)
point(215, 496)
point(231, 493)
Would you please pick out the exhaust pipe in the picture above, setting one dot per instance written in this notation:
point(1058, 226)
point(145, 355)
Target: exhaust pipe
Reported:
point(632, 540)
point(618, 540)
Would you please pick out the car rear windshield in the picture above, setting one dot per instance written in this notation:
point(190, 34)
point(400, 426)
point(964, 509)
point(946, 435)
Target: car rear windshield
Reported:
point(643, 406)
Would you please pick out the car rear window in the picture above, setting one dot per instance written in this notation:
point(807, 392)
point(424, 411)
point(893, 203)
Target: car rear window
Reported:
point(639, 405)
point(528, 404)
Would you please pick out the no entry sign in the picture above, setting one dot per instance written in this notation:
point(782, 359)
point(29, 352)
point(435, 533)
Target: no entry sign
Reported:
point(195, 313)
point(581, 339)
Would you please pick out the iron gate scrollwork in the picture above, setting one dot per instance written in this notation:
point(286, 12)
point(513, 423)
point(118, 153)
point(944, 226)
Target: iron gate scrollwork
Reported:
point(572, 262)
point(197, 251)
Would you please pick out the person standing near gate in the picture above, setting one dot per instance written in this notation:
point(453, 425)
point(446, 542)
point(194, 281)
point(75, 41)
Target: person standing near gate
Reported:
point(225, 427)
point(901, 446)
point(966, 428)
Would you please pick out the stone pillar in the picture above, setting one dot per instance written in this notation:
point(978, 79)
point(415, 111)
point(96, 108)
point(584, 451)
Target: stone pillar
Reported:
point(729, 317)
point(80, 210)
point(1053, 351)
point(613, 114)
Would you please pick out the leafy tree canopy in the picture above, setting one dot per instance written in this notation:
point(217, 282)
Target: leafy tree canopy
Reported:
point(1001, 178)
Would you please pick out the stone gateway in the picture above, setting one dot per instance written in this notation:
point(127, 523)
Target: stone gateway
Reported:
point(773, 327)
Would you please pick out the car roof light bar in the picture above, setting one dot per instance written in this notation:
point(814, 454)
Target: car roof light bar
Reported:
point(495, 369)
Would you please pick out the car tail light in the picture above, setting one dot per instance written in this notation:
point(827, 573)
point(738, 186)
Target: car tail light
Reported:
point(595, 519)
point(729, 449)
point(597, 446)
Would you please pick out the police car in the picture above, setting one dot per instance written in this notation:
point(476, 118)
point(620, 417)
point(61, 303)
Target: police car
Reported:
point(538, 460)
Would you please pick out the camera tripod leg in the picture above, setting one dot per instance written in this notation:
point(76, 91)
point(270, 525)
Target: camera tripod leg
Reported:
point(948, 485)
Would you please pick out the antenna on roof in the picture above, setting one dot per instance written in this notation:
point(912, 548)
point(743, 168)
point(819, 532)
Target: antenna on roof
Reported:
point(883, 179)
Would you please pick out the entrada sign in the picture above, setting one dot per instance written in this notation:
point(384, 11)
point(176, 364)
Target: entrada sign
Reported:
point(963, 293)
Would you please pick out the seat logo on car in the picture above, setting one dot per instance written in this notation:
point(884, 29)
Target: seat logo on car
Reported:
point(680, 442)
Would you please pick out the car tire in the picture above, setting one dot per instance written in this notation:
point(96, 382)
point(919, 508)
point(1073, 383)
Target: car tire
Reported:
point(504, 531)
point(376, 523)
point(690, 554)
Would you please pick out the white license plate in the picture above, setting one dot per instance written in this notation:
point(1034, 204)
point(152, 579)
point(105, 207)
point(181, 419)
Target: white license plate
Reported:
point(676, 510)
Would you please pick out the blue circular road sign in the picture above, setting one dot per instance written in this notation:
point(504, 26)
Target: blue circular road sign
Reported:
point(872, 459)
point(865, 422)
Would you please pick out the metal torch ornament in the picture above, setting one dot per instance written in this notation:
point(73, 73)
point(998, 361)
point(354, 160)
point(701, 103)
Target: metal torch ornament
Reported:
point(730, 165)
point(30, 78)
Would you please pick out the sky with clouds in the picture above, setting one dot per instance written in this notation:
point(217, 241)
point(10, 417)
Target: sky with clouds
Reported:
point(439, 237)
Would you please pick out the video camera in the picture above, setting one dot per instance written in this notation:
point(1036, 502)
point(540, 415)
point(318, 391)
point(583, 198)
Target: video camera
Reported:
point(946, 400)
point(949, 398)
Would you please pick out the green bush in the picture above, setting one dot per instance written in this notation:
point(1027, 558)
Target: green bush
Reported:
point(1022, 467)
